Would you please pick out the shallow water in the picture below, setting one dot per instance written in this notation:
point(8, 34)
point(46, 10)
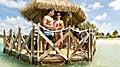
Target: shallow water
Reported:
point(107, 55)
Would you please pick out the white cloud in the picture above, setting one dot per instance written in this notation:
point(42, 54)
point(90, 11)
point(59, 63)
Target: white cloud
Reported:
point(14, 23)
point(101, 17)
point(95, 6)
point(13, 3)
point(115, 4)
point(104, 27)
point(94, 22)
point(2, 1)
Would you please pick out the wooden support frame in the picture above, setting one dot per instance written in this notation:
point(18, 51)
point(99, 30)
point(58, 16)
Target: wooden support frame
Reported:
point(25, 43)
point(32, 45)
point(38, 46)
point(52, 46)
point(91, 44)
point(19, 39)
point(68, 47)
point(11, 46)
point(4, 41)
point(36, 56)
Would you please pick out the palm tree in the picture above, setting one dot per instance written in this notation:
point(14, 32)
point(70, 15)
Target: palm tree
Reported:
point(90, 25)
point(102, 35)
point(115, 33)
point(108, 35)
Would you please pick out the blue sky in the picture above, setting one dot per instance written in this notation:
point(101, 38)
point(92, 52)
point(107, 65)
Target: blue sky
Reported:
point(103, 13)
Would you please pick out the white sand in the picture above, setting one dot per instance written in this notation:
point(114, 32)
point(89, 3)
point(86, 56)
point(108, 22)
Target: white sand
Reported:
point(115, 41)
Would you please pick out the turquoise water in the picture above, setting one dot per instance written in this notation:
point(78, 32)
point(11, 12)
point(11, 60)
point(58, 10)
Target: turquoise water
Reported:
point(107, 55)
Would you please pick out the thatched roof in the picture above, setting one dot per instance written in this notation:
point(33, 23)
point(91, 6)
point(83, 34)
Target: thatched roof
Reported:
point(37, 8)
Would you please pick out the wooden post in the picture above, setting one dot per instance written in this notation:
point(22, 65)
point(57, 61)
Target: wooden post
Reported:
point(10, 45)
point(11, 39)
point(32, 45)
point(38, 46)
point(4, 41)
point(90, 46)
point(41, 44)
point(19, 40)
point(91, 43)
point(68, 48)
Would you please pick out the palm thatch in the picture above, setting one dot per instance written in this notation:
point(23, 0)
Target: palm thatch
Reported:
point(35, 10)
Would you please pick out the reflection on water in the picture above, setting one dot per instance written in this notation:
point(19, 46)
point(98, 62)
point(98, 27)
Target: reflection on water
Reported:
point(107, 55)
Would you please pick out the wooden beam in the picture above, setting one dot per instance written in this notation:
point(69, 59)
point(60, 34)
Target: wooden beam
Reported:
point(45, 53)
point(26, 41)
point(89, 47)
point(52, 45)
point(61, 39)
point(32, 44)
point(91, 43)
point(19, 39)
point(68, 47)
point(11, 46)
point(38, 47)
point(80, 44)
point(4, 41)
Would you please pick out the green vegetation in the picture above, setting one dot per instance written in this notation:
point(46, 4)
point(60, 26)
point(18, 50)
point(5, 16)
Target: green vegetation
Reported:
point(114, 34)
point(110, 35)
point(87, 25)
point(0, 36)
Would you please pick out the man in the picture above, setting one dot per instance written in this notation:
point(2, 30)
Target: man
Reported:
point(48, 24)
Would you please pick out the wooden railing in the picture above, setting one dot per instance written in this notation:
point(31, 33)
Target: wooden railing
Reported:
point(18, 43)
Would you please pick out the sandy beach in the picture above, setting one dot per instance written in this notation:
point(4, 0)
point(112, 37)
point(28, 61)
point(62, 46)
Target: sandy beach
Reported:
point(108, 41)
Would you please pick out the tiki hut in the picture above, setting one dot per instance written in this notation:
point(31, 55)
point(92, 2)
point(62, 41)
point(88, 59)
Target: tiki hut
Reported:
point(66, 49)
point(37, 9)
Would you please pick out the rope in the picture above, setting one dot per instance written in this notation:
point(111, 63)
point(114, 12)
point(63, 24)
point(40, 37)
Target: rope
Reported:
point(26, 28)
point(79, 30)
point(53, 31)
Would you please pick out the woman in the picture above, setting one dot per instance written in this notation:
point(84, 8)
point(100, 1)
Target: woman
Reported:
point(58, 25)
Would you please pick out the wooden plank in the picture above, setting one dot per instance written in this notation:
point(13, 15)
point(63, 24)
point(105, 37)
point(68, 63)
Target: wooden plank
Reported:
point(51, 44)
point(11, 40)
point(38, 46)
point(19, 40)
point(91, 43)
point(61, 54)
point(4, 39)
point(61, 39)
point(45, 54)
point(68, 47)
point(89, 48)
point(94, 44)
point(27, 49)
point(80, 44)
point(26, 41)
point(32, 44)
